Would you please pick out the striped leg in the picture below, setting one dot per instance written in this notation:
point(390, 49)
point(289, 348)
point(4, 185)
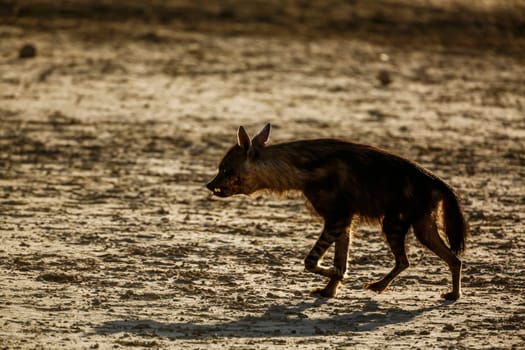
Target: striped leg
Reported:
point(395, 232)
point(340, 266)
point(341, 235)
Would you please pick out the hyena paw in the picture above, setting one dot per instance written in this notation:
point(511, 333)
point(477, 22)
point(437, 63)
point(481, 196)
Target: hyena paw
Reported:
point(450, 296)
point(377, 287)
point(327, 292)
point(322, 293)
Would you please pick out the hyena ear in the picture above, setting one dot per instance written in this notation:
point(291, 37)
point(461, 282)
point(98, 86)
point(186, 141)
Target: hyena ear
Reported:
point(260, 139)
point(243, 139)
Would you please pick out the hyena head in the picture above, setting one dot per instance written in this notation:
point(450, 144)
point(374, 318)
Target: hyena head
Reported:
point(238, 169)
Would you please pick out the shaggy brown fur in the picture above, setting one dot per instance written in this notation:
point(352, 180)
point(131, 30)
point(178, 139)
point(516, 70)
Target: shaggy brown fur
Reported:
point(344, 180)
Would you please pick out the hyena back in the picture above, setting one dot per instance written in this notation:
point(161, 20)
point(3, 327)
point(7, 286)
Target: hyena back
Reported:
point(343, 181)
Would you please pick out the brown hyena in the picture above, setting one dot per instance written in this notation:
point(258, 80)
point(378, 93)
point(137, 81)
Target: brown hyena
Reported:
point(343, 181)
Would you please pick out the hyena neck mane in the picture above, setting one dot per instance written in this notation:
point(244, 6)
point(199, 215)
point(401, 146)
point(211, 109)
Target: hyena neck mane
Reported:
point(290, 166)
point(276, 169)
point(326, 163)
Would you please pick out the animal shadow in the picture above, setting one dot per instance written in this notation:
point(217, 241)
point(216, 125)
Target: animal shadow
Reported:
point(278, 320)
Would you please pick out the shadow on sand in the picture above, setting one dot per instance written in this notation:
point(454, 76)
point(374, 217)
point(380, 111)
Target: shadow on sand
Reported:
point(281, 320)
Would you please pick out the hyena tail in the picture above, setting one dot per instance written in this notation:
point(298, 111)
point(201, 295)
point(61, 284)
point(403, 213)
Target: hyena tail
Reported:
point(454, 221)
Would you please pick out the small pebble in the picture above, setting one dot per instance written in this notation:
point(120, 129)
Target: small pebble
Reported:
point(27, 51)
point(448, 327)
point(384, 77)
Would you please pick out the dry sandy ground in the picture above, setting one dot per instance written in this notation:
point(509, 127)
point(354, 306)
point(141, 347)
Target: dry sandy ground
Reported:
point(109, 238)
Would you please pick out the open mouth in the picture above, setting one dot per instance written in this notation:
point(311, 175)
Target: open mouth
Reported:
point(217, 191)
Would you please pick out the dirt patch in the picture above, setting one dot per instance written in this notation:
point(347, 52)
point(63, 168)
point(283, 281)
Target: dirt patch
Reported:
point(110, 132)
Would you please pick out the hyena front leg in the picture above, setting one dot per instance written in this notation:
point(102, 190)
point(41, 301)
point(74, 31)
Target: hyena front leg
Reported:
point(342, 245)
point(341, 235)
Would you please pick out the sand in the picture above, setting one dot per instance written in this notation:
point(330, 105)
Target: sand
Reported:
point(109, 238)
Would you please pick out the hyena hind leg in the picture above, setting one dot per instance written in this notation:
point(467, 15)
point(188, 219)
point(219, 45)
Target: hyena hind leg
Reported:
point(395, 232)
point(426, 231)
